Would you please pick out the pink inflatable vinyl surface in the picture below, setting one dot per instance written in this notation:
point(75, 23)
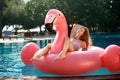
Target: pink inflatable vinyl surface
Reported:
point(75, 63)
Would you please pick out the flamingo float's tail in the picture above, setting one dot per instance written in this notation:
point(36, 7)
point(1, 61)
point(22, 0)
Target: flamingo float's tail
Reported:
point(111, 58)
point(28, 51)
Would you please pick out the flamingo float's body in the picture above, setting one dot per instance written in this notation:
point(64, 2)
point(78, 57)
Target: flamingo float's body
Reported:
point(75, 63)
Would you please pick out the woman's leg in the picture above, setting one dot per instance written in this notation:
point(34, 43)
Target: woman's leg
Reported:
point(67, 47)
point(42, 52)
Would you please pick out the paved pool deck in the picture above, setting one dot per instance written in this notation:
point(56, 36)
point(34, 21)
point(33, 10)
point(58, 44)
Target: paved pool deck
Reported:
point(21, 39)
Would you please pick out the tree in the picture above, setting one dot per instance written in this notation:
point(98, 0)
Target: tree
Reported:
point(36, 10)
point(115, 10)
point(12, 13)
point(97, 15)
point(2, 8)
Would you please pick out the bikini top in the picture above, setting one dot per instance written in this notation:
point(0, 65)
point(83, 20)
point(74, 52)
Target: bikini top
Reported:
point(76, 44)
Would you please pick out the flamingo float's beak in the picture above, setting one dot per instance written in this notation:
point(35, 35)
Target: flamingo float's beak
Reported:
point(49, 27)
point(49, 20)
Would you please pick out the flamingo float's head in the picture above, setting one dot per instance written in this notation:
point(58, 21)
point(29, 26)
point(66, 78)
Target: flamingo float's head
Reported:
point(55, 18)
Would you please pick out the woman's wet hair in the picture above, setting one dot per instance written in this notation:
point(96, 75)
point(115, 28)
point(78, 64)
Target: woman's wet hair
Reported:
point(86, 37)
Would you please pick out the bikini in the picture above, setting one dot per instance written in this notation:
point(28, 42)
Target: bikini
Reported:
point(76, 44)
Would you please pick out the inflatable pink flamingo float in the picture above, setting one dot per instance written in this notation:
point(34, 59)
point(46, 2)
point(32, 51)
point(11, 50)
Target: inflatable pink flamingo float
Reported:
point(75, 63)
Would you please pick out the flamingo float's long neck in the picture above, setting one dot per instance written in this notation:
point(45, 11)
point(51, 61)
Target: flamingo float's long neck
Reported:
point(59, 21)
point(61, 34)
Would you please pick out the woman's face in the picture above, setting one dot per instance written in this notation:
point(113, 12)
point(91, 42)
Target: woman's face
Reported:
point(80, 31)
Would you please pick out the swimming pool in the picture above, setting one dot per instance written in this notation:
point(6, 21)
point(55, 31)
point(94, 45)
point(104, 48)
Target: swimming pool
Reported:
point(12, 66)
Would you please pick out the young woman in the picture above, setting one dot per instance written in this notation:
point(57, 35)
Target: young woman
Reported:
point(79, 39)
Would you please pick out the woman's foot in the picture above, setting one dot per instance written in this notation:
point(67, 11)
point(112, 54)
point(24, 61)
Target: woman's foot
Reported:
point(35, 59)
point(61, 56)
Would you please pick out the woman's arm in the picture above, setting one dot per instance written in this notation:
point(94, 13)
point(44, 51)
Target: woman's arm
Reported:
point(73, 31)
point(83, 46)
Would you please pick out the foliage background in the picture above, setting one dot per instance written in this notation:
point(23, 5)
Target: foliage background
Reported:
point(97, 15)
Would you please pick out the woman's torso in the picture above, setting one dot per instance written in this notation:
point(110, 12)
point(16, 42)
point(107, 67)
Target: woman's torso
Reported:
point(76, 43)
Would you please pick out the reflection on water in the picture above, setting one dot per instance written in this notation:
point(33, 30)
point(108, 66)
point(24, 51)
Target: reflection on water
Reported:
point(12, 66)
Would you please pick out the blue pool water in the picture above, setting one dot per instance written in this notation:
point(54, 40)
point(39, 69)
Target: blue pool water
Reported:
point(12, 66)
